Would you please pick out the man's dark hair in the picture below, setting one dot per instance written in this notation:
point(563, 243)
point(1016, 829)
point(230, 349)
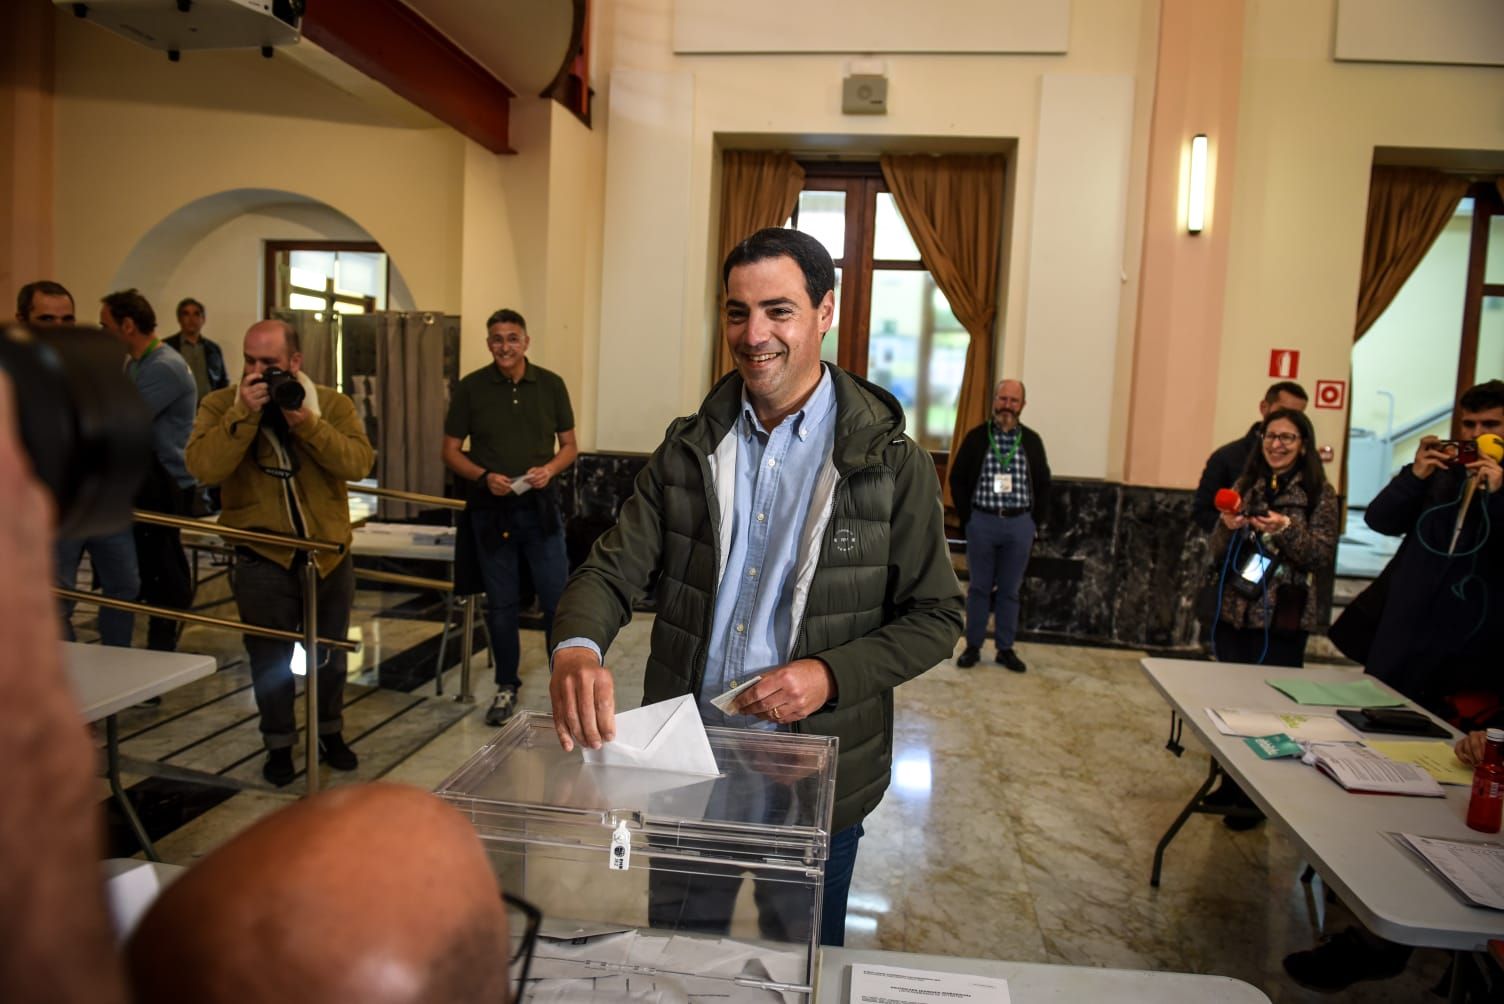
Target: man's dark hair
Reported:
point(780, 242)
point(129, 303)
point(1312, 473)
point(29, 292)
point(506, 315)
point(1482, 397)
point(189, 301)
point(1284, 387)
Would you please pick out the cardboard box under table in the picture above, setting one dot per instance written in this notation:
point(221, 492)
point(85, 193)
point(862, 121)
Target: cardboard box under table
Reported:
point(659, 883)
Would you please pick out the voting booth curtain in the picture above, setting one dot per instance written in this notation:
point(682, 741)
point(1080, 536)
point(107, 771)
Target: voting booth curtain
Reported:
point(1408, 207)
point(953, 207)
point(759, 188)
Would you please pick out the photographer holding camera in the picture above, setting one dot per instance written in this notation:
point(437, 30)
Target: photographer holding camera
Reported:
point(1440, 628)
point(281, 449)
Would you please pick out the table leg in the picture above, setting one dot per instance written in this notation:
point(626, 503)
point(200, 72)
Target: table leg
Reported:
point(1191, 807)
point(112, 772)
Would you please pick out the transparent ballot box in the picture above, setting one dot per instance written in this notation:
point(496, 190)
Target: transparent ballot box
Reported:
point(659, 886)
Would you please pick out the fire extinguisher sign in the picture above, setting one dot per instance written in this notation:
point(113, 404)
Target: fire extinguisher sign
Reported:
point(1284, 364)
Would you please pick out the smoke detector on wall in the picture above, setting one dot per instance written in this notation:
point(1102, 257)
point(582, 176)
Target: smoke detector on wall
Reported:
point(177, 26)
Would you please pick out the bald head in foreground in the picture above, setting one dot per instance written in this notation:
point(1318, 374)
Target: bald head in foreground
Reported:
point(326, 900)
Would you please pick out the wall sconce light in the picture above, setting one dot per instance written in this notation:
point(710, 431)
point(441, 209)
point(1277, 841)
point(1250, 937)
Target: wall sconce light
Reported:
point(1195, 197)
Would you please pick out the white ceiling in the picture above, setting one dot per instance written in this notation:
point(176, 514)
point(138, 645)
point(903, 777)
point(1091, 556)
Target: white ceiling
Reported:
point(522, 42)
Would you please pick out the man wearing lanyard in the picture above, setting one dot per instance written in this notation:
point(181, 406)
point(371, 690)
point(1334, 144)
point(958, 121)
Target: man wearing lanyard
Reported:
point(167, 385)
point(1000, 485)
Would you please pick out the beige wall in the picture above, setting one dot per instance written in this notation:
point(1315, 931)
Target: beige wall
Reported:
point(1308, 128)
point(954, 98)
point(138, 138)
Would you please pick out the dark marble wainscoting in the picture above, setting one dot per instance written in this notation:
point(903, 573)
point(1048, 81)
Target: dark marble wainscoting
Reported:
point(1115, 564)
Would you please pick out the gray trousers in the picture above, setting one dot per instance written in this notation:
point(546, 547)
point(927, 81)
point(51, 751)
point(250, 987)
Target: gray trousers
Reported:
point(997, 552)
point(269, 595)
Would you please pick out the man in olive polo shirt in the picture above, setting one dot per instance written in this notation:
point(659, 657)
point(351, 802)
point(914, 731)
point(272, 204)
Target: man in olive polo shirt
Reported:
point(514, 413)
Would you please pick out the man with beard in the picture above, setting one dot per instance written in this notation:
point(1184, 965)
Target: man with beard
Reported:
point(1000, 485)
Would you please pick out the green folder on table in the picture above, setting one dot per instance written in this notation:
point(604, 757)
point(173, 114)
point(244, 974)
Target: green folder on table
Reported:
point(1361, 693)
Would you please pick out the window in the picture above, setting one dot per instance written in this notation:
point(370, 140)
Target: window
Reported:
point(892, 324)
point(345, 277)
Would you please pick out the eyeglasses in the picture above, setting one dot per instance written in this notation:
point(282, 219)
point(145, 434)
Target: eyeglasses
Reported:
point(523, 916)
point(505, 339)
point(1283, 438)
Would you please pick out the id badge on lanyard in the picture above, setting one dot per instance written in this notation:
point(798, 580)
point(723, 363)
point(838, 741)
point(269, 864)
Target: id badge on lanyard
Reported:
point(1002, 484)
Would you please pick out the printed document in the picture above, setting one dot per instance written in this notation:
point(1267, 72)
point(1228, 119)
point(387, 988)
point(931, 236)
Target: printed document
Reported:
point(1431, 755)
point(1301, 728)
point(1474, 870)
point(1358, 768)
point(871, 984)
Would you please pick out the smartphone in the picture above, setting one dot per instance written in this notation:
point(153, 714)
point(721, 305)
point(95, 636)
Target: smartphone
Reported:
point(1463, 451)
point(1255, 568)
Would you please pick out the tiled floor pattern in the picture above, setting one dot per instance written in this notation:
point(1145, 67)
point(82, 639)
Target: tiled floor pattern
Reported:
point(1020, 825)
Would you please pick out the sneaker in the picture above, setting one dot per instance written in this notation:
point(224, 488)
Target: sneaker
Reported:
point(278, 768)
point(1010, 660)
point(969, 657)
point(1344, 959)
point(502, 706)
point(334, 752)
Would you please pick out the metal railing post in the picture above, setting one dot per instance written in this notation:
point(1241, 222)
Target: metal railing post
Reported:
point(311, 671)
point(467, 644)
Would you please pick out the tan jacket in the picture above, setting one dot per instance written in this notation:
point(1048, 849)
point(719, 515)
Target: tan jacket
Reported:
point(228, 449)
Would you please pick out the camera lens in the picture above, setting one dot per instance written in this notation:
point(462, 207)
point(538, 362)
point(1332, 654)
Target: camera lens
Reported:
point(83, 424)
point(288, 395)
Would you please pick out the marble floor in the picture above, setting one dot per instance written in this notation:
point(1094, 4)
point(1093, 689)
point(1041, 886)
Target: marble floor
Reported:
point(1020, 825)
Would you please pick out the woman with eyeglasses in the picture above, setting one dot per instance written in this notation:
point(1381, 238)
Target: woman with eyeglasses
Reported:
point(1268, 555)
point(1274, 548)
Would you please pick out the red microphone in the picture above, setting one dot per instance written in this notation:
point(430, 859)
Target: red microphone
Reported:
point(1228, 500)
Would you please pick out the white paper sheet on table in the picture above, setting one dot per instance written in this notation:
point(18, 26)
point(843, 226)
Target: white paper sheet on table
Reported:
point(892, 985)
point(1301, 728)
point(666, 736)
point(1476, 870)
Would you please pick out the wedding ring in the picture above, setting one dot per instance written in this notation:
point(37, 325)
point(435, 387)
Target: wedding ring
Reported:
point(777, 715)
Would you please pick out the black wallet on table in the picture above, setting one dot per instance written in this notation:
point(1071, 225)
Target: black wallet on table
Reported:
point(1396, 721)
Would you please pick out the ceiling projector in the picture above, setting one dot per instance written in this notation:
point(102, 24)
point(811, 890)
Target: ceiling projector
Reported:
point(178, 26)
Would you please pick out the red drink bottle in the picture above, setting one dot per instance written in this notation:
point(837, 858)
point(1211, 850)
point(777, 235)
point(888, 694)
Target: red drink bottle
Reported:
point(1487, 806)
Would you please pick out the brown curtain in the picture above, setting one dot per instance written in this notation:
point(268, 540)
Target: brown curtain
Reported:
point(315, 340)
point(1408, 207)
point(953, 207)
point(758, 189)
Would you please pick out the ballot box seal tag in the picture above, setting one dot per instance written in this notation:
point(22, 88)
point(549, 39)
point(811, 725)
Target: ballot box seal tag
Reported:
point(621, 847)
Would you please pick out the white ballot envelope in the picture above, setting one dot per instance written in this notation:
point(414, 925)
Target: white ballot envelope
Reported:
point(664, 736)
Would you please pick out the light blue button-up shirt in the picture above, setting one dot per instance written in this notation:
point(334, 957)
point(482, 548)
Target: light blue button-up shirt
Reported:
point(752, 630)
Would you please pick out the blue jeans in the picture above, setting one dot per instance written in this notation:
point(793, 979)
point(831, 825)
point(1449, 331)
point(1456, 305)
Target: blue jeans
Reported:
point(506, 538)
point(997, 552)
point(115, 571)
point(703, 902)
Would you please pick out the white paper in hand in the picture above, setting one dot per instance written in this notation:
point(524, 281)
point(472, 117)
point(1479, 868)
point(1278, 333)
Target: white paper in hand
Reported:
point(664, 736)
point(724, 702)
point(521, 485)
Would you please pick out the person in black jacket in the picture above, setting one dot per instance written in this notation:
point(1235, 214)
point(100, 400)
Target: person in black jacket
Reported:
point(203, 356)
point(1000, 485)
point(1225, 465)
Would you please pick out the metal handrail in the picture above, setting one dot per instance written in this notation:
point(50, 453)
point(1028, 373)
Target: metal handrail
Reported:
point(415, 581)
point(186, 617)
point(235, 533)
point(404, 496)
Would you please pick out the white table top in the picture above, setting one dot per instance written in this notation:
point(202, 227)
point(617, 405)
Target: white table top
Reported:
point(1341, 833)
point(1032, 982)
point(399, 540)
point(107, 679)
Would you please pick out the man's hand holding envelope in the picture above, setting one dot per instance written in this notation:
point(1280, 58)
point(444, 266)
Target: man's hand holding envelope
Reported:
point(664, 736)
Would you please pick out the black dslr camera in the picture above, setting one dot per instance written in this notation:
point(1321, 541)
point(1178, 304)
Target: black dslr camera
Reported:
point(83, 424)
point(286, 391)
